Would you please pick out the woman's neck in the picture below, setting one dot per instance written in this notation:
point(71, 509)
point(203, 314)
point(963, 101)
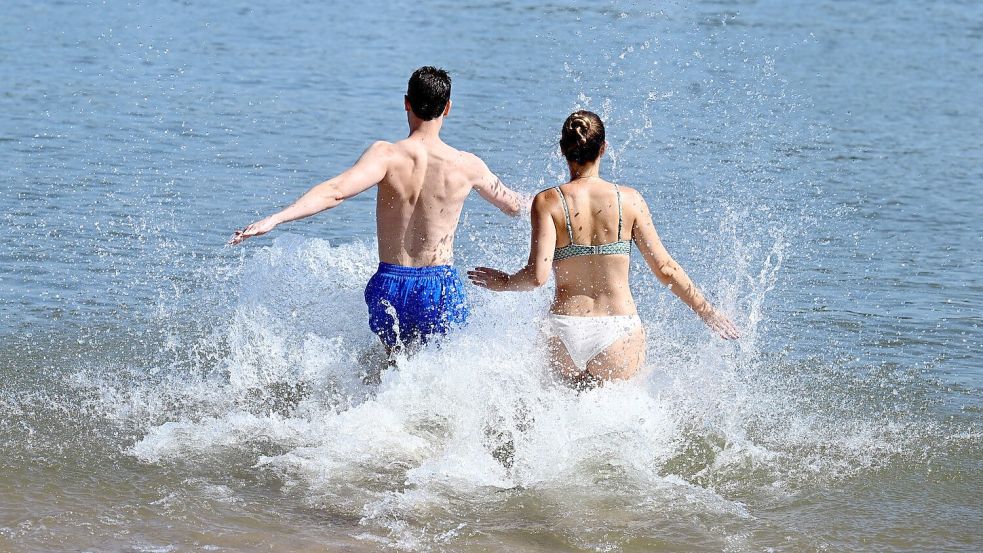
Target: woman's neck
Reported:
point(583, 171)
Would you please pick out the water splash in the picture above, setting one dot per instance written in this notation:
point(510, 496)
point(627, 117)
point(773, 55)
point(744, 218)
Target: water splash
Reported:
point(462, 431)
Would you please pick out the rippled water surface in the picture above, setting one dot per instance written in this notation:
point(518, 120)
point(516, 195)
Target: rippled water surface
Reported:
point(815, 166)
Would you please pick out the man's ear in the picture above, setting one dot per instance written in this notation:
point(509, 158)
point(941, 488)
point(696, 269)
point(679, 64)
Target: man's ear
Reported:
point(447, 108)
point(406, 103)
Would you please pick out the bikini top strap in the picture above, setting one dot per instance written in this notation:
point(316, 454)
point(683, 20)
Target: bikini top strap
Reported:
point(566, 213)
point(617, 192)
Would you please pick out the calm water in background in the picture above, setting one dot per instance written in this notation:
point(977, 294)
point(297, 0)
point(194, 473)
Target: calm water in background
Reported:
point(816, 168)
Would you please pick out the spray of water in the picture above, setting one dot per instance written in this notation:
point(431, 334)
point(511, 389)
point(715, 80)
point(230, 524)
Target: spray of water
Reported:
point(266, 364)
point(460, 431)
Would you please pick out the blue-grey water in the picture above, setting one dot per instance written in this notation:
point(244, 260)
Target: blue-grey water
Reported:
point(816, 167)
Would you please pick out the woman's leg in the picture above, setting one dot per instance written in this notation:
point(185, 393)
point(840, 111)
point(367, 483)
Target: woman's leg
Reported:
point(565, 369)
point(621, 359)
point(560, 361)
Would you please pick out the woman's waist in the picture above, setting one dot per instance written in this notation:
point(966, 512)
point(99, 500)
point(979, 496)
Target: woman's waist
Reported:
point(593, 305)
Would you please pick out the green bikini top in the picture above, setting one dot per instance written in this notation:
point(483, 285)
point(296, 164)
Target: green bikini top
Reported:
point(621, 247)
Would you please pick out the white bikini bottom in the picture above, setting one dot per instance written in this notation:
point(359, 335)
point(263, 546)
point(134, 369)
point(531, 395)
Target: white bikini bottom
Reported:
point(586, 337)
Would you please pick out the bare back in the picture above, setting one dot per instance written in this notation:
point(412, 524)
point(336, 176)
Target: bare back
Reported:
point(420, 199)
point(592, 285)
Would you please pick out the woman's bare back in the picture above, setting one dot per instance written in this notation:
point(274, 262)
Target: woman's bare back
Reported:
point(595, 285)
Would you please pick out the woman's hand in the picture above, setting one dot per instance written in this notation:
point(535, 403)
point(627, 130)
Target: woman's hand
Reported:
point(492, 279)
point(256, 229)
point(720, 324)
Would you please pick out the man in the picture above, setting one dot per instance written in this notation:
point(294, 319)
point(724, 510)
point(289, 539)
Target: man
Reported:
point(416, 292)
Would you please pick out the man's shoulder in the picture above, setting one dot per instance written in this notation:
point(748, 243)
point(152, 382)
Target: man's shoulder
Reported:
point(381, 147)
point(465, 163)
point(468, 160)
point(379, 151)
point(395, 153)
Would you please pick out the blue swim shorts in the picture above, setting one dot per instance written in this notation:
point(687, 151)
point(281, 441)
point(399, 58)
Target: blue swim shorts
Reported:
point(412, 304)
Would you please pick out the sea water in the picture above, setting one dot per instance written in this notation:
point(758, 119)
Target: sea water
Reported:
point(816, 168)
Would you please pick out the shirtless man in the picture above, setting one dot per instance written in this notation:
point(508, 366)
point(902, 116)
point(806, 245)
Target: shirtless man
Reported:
point(416, 293)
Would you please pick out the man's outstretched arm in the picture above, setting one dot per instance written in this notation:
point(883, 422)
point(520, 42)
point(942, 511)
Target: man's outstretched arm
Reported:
point(367, 172)
point(492, 189)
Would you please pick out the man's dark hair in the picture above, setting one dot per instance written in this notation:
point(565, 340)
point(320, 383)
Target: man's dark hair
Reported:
point(428, 92)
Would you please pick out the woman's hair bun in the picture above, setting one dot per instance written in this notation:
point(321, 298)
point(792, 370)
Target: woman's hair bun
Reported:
point(582, 137)
point(581, 126)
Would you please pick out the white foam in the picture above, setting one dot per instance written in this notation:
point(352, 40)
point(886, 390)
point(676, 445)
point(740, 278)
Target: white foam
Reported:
point(706, 417)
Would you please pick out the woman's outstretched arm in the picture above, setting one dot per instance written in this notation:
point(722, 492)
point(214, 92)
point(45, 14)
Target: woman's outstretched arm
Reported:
point(672, 275)
point(537, 269)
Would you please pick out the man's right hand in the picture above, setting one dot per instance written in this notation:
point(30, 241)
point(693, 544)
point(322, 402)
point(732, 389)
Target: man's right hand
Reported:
point(256, 229)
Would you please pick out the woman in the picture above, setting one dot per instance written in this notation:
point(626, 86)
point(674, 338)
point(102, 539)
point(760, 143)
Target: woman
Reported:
point(583, 230)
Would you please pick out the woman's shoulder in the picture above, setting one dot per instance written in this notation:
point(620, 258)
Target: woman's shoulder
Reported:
point(624, 189)
point(629, 194)
point(547, 194)
point(632, 202)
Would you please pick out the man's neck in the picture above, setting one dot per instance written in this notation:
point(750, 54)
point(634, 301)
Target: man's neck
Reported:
point(426, 129)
